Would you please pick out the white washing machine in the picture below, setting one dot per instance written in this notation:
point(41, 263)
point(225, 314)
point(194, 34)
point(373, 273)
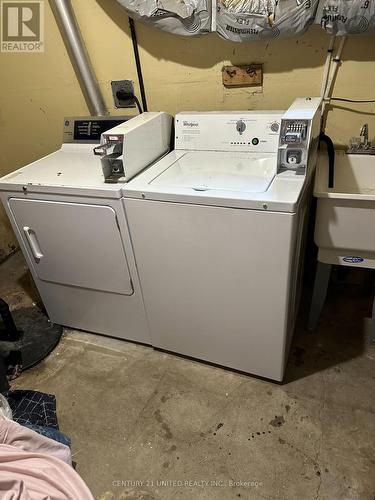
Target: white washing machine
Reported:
point(72, 230)
point(217, 229)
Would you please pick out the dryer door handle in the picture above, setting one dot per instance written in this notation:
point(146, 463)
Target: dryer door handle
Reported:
point(33, 242)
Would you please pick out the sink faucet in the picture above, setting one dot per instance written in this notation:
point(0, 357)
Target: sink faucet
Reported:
point(364, 134)
point(361, 144)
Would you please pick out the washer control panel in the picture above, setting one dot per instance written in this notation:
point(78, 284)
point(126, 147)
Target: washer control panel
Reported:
point(247, 131)
point(241, 127)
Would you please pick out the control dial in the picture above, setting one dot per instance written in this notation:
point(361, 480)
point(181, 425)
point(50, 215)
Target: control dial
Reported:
point(240, 127)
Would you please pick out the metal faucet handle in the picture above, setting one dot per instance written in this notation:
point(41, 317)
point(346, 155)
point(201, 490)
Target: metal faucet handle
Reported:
point(364, 131)
point(362, 144)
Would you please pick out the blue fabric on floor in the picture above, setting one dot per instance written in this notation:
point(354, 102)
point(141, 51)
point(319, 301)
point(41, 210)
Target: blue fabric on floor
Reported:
point(51, 433)
point(37, 411)
point(33, 407)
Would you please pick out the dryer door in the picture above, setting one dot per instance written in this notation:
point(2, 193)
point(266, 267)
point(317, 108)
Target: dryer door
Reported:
point(73, 244)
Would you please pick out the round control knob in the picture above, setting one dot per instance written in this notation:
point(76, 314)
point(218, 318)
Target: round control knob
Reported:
point(275, 127)
point(240, 126)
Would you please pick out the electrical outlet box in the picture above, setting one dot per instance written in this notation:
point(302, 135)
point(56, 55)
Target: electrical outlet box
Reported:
point(122, 86)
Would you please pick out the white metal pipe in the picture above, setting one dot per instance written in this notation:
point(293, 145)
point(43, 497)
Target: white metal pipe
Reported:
point(336, 61)
point(327, 66)
point(66, 20)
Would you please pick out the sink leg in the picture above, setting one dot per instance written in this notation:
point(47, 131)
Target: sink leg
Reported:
point(323, 273)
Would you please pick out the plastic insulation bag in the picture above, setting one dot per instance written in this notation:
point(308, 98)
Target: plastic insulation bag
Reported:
point(245, 20)
point(249, 20)
point(5, 410)
point(349, 17)
point(181, 17)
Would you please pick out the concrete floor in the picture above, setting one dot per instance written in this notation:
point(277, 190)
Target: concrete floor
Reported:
point(135, 414)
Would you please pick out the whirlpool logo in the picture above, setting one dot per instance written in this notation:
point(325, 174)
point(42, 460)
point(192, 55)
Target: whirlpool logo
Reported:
point(352, 259)
point(190, 124)
point(22, 26)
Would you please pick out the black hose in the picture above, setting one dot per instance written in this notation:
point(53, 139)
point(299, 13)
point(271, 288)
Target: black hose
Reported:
point(359, 101)
point(331, 158)
point(138, 63)
point(11, 332)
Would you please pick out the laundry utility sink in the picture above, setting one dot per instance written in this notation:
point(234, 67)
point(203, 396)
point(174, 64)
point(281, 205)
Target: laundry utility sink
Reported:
point(345, 219)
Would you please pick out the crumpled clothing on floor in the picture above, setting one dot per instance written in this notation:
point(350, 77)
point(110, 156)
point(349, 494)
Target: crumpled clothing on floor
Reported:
point(34, 476)
point(51, 433)
point(33, 407)
point(25, 439)
point(37, 411)
point(5, 410)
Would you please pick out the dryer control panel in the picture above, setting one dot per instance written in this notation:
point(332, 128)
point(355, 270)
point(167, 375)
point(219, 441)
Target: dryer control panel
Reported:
point(88, 129)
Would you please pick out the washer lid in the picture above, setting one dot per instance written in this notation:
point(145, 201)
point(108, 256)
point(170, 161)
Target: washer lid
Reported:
point(205, 170)
point(219, 179)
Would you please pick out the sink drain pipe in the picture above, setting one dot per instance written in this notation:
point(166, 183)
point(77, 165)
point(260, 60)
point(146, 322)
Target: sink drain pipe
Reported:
point(67, 23)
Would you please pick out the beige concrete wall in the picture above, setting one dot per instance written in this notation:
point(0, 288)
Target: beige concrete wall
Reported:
point(37, 90)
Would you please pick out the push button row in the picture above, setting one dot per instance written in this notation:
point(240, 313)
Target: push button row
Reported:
point(254, 142)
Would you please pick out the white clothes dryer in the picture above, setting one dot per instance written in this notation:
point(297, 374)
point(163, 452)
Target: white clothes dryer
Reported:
point(72, 229)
